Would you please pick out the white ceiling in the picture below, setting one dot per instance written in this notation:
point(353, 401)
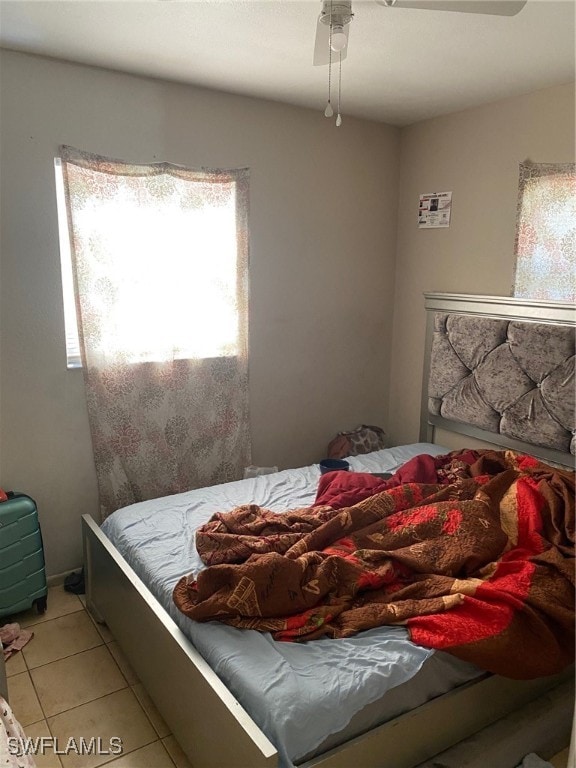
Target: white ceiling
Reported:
point(403, 65)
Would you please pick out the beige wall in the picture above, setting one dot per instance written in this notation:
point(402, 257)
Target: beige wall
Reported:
point(475, 154)
point(323, 219)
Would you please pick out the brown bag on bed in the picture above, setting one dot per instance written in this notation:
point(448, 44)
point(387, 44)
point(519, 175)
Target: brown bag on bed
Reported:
point(363, 439)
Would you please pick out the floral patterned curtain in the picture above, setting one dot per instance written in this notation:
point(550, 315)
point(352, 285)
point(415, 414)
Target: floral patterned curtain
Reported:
point(546, 232)
point(160, 262)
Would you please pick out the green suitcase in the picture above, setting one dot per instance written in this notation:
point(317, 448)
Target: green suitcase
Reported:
point(22, 569)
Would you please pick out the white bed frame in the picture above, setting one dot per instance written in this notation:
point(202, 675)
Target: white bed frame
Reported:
point(210, 724)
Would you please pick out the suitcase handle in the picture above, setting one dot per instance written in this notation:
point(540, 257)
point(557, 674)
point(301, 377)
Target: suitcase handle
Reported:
point(7, 495)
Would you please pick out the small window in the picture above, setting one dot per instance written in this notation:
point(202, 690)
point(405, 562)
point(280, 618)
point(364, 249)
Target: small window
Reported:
point(70, 322)
point(546, 233)
point(156, 259)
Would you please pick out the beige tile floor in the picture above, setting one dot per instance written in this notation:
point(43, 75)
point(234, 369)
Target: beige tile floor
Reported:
point(71, 681)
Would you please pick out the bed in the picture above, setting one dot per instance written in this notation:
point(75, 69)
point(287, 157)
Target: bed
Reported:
point(208, 678)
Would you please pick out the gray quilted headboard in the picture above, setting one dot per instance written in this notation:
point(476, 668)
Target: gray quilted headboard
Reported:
point(502, 370)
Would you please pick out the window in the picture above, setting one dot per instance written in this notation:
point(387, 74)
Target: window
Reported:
point(155, 279)
point(70, 322)
point(157, 260)
point(546, 233)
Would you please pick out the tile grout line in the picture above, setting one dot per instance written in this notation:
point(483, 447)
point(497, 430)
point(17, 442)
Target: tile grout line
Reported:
point(29, 669)
point(74, 653)
point(14, 619)
point(128, 686)
point(146, 713)
point(69, 656)
point(97, 698)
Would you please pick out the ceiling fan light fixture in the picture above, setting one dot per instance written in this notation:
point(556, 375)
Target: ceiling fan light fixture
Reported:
point(336, 12)
point(333, 26)
point(338, 38)
point(336, 15)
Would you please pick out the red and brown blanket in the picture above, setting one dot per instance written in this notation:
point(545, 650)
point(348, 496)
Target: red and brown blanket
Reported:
point(472, 551)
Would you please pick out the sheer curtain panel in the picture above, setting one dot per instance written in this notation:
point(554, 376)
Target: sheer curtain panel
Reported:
point(159, 259)
point(546, 232)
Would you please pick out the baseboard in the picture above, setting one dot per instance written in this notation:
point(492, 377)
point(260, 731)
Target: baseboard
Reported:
point(58, 578)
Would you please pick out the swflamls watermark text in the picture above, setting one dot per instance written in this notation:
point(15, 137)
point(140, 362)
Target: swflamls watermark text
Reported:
point(41, 745)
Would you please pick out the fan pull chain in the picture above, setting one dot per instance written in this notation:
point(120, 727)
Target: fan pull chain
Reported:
point(328, 112)
point(339, 116)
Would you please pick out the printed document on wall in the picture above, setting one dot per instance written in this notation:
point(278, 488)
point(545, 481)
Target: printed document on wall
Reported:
point(434, 210)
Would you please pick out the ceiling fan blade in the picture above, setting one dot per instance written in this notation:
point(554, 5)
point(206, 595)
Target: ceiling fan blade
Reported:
point(321, 46)
point(490, 7)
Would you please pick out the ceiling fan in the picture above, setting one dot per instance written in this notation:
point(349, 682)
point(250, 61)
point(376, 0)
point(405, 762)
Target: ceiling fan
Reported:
point(334, 20)
point(333, 28)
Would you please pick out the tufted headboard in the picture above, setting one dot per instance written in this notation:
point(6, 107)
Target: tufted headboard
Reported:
point(502, 370)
